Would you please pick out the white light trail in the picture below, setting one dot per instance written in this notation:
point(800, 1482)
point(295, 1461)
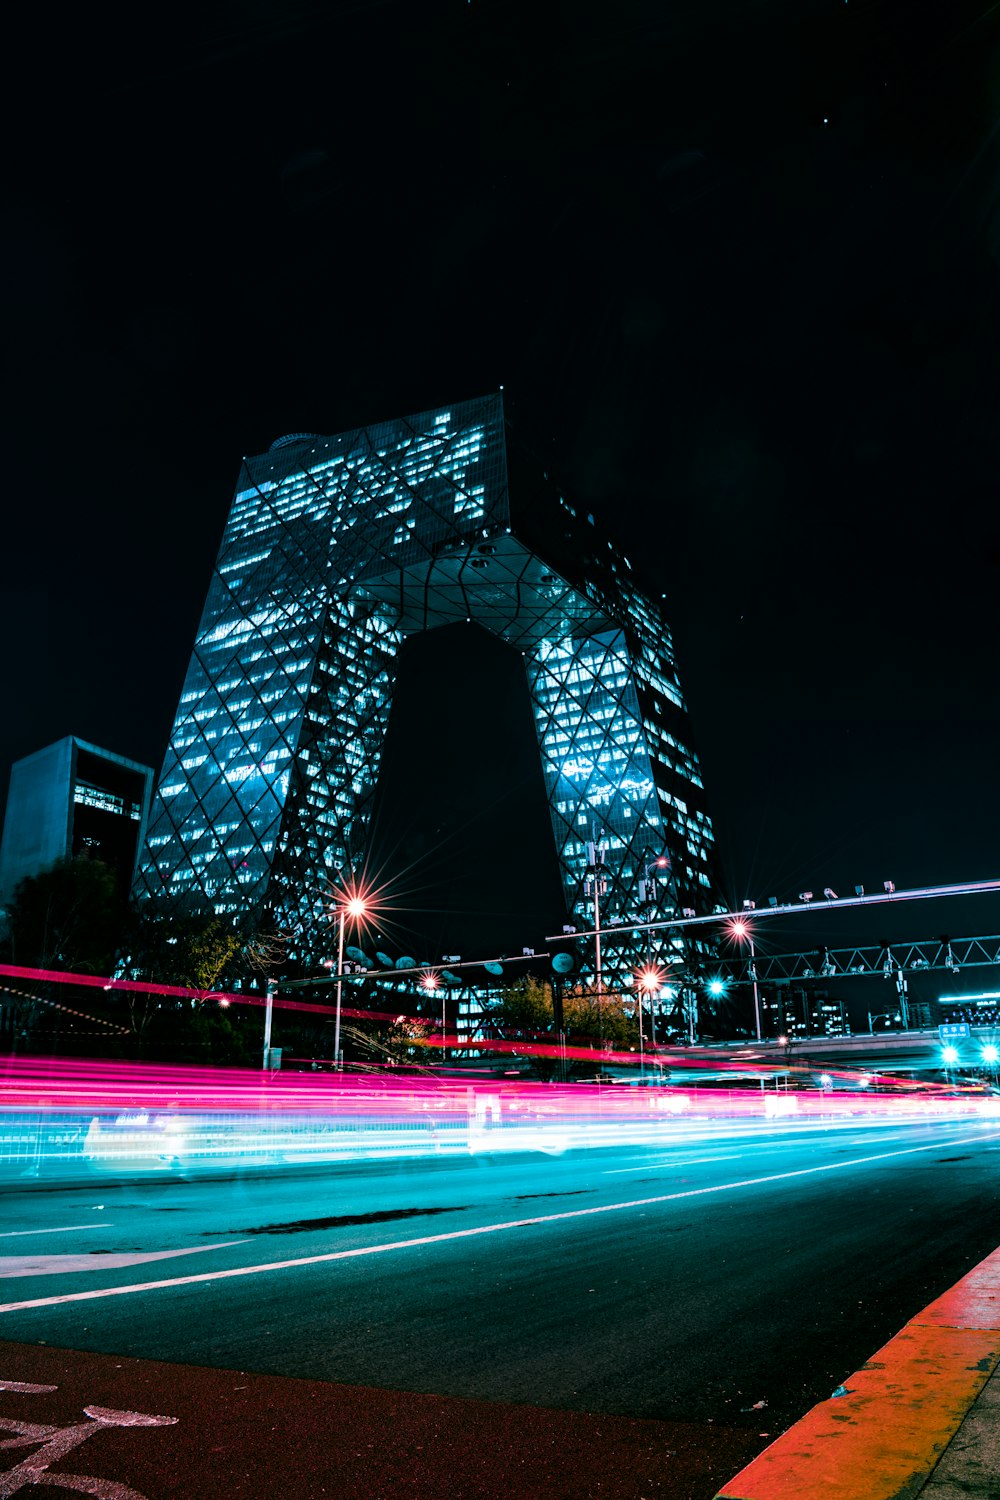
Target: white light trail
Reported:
point(466, 1234)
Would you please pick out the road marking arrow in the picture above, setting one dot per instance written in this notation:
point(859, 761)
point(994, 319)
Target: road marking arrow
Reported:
point(53, 1265)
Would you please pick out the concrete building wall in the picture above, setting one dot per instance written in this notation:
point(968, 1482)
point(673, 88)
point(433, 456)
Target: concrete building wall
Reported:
point(39, 820)
point(72, 798)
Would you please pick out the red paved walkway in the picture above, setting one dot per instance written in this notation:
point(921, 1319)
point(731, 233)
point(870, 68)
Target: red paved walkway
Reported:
point(251, 1437)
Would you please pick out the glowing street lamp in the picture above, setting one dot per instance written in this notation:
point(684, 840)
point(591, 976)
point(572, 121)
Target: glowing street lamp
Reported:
point(649, 981)
point(742, 931)
point(352, 905)
point(429, 982)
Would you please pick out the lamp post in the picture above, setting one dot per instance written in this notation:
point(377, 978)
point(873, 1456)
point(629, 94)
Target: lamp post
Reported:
point(596, 886)
point(355, 907)
point(429, 983)
point(741, 929)
point(649, 981)
point(648, 892)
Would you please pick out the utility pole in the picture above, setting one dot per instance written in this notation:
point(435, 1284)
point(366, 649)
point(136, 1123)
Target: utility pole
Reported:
point(596, 885)
point(648, 893)
point(271, 989)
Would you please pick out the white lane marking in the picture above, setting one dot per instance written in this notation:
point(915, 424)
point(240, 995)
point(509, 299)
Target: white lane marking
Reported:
point(761, 1148)
point(657, 1166)
point(15, 1234)
point(52, 1265)
point(466, 1234)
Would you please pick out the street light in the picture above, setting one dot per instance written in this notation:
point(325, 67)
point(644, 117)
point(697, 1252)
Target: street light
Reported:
point(741, 930)
point(351, 904)
point(595, 885)
point(429, 982)
point(649, 981)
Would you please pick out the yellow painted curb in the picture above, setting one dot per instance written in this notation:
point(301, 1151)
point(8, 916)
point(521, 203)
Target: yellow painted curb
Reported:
point(882, 1438)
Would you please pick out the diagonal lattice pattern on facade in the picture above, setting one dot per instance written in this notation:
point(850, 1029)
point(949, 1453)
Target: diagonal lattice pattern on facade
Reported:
point(336, 548)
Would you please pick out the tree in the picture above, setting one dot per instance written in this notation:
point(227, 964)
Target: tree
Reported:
point(524, 1012)
point(183, 948)
point(67, 917)
point(607, 1022)
point(168, 944)
point(389, 1045)
point(522, 1009)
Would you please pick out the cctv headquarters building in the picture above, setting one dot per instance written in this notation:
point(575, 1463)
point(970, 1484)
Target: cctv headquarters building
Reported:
point(338, 548)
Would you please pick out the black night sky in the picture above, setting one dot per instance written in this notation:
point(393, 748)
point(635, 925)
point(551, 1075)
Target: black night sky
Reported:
point(735, 266)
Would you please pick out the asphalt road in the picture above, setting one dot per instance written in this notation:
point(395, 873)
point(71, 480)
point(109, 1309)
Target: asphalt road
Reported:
point(721, 1286)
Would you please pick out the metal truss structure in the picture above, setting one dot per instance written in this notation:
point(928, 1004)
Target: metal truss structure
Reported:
point(887, 960)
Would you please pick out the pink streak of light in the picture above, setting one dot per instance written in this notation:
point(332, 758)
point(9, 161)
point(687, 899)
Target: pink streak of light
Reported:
point(181, 992)
point(64, 1085)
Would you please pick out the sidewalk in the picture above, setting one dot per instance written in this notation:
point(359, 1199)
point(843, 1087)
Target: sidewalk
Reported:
point(970, 1465)
point(920, 1418)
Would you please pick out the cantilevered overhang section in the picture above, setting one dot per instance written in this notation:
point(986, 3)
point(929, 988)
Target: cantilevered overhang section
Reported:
point(499, 583)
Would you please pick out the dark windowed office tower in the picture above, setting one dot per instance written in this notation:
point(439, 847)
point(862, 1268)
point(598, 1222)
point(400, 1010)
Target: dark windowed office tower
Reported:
point(73, 798)
point(336, 549)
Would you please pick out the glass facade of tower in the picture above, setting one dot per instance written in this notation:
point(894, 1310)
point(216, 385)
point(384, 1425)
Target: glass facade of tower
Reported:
point(335, 549)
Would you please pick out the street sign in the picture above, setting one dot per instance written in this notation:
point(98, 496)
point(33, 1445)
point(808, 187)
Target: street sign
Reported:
point(954, 1031)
